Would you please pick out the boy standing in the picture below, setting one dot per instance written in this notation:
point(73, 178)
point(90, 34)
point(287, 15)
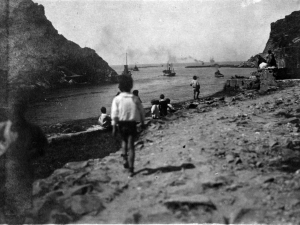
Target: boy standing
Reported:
point(126, 110)
point(136, 93)
point(196, 86)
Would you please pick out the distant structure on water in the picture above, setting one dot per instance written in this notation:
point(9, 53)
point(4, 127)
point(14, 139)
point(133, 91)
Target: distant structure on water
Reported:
point(170, 72)
point(211, 60)
point(136, 68)
point(126, 70)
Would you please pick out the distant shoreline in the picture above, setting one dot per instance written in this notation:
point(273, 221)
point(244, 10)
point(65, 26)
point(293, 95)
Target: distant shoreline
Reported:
point(226, 65)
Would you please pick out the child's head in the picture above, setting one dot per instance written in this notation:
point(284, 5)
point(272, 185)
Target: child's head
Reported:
point(103, 109)
point(125, 83)
point(195, 77)
point(168, 100)
point(135, 92)
point(162, 96)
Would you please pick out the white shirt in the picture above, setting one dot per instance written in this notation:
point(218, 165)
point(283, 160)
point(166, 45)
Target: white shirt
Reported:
point(127, 107)
point(155, 111)
point(195, 83)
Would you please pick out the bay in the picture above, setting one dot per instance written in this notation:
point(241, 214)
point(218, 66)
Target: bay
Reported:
point(74, 103)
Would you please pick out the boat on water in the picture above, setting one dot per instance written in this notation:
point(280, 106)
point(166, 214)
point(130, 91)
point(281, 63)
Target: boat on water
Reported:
point(211, 60)
point(135, 68)
point(126, 70)
point(218, 74)
point(170, 72)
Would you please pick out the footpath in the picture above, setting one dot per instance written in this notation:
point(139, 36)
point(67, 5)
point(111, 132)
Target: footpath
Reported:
point(222, 160)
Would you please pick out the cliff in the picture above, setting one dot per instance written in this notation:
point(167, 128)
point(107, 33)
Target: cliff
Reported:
point(34, 53)
point(284, 41)
point(285, 32)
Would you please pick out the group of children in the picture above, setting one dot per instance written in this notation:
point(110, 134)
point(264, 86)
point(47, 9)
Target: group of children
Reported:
point(160, 108)
point(127, 111)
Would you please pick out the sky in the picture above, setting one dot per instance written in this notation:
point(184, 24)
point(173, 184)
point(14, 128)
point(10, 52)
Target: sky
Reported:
point(158, 31)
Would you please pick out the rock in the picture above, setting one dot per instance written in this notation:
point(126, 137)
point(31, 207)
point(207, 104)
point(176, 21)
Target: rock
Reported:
point(229, 158)
point(98, 176)
point(33, 35)
point(245, 215)
point(58, 217)
point(189, 201)
point(269, 126)
point(68, 130)
point(259, 164)
point(192, 106)
point(76, 165)
point(72, 178)
point(83, 204)
point(77, 190)
point(238, 161)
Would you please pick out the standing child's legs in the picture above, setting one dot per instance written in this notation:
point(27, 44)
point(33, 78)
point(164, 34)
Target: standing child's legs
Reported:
point(131, 155)
point(198, 92)
point(124, 152)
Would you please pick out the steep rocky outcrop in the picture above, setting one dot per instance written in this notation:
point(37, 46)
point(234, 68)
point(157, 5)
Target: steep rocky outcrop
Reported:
point(284, 41)
point(37, 53)
point(285, 32)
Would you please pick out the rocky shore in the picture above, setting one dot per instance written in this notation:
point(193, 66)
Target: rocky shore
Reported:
point(230, 159)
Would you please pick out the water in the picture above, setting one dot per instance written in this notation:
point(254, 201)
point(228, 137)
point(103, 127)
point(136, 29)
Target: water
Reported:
point(85, 102)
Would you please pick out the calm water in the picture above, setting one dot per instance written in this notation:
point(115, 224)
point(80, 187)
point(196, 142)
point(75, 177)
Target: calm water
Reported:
point(85, 102)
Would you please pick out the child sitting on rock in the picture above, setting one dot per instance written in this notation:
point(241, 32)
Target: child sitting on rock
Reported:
point(169, 106)
point(155, 109)
point(163, 106)
point(104, 119)
point(126, 110)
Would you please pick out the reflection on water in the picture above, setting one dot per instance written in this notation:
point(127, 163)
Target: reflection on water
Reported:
point(85, 102)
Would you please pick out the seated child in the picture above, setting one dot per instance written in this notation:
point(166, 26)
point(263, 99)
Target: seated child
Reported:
point(163, 106)
point(155, 109)
point(169, 106)
point(104, 119)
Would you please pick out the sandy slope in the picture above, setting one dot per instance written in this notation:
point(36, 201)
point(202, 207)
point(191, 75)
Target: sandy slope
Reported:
point(226, 161)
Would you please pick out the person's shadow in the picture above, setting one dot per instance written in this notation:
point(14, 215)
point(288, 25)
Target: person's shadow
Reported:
point(166, 169)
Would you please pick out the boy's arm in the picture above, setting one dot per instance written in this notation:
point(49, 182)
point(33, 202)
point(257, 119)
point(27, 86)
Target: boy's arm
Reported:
point(114, 116)
point(142, 112)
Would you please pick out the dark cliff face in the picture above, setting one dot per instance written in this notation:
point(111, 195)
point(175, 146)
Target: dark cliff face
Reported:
point(36, 52)
point(285, 32)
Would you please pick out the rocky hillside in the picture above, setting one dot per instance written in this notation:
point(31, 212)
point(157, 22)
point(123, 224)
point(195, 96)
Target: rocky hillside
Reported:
point(284, 40)
point(37, 53)
point(285, 32)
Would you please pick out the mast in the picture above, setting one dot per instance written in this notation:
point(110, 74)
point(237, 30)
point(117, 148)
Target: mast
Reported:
point(126, 58)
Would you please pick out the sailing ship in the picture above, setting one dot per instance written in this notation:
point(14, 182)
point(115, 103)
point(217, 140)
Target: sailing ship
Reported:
point(126, 70)
point(211, 60)
point(170, 72)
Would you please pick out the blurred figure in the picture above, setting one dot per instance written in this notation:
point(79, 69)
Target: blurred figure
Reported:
point(271, 61)
point(29, 144)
